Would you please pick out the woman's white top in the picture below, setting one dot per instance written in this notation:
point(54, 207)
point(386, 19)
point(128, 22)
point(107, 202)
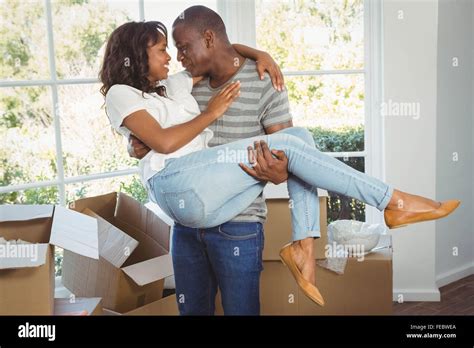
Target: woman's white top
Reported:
point(179, 107)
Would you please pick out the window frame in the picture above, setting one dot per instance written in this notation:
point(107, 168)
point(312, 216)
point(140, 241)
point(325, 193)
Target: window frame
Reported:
point(237, 15)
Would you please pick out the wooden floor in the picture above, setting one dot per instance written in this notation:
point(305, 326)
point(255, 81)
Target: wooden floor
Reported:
point(456, 299)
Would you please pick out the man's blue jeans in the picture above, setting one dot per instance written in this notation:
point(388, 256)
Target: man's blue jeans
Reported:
point(228, 256)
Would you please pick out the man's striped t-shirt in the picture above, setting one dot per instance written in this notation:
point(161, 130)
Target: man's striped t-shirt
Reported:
point(258, 106)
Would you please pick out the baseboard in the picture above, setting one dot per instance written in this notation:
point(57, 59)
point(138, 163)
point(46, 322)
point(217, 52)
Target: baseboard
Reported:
point(455, 274)
point(433, 295)
point(418, 295)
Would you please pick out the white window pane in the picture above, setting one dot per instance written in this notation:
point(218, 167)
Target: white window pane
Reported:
point(23, 40)
point(28, 151)
point(90, 145)
point(312, 35)
point(81, 29)
point(166, 11)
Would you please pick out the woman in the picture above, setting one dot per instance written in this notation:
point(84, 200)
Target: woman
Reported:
point(198, 186)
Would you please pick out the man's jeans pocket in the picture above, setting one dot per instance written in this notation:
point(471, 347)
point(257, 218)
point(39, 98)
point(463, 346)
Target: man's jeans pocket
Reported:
point(243, 241)
point(238, 230)
point(185, 207)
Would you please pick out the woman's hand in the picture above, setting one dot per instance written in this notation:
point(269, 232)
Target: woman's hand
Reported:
point(265, 62)
point(221, 101)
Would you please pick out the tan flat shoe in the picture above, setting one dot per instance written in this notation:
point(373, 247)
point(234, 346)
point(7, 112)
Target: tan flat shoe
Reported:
point(400, 218)
point(309, 289)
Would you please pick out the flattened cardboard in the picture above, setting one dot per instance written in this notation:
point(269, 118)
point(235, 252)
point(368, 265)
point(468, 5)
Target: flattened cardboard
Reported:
point(150, 270)
point(63, 306)
point(75, 232)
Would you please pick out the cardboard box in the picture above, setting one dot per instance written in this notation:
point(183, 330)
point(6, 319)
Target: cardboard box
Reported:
point(365, 288)
point(27, 270)
point(134, 254)
point(80, 306)
point(278, 290)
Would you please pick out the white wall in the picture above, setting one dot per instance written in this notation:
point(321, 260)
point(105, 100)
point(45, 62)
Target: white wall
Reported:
point(239, 18)
point(454, 170)
point(410, 73)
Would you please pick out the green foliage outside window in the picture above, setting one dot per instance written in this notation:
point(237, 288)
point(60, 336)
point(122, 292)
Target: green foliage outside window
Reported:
point(343, 140)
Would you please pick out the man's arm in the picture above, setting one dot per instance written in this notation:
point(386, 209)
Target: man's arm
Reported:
point(278, 127)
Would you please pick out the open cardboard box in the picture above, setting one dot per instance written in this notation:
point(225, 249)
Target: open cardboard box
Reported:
point(27, 270)
point(134, 254)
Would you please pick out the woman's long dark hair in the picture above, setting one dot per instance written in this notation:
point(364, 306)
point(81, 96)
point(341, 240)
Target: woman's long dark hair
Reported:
point(126, 59)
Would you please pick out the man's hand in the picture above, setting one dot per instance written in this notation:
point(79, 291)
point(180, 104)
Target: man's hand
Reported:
point(136, 148)
point(265, 166)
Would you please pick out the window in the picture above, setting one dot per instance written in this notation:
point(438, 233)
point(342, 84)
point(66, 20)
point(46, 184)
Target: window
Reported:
point(321, 46)
point(58, 145)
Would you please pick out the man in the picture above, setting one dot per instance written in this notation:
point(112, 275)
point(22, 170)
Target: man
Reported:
point(229, 256)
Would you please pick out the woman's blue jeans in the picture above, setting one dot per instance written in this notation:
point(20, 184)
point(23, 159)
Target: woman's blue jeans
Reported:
point(207, 188)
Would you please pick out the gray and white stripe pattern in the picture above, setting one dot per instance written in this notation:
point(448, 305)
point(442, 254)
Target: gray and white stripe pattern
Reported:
point(258, 106)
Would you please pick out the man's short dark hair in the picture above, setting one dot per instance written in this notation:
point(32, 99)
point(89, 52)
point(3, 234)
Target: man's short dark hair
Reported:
point(202, 18)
